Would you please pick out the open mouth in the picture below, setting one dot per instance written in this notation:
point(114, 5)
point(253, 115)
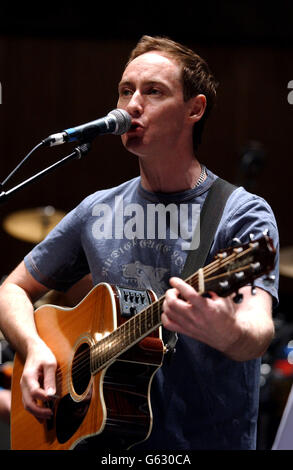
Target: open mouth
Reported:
point(136, 129)
point(134, 126)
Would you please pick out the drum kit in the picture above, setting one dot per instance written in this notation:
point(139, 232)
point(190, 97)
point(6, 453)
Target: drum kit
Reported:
point(32, 225)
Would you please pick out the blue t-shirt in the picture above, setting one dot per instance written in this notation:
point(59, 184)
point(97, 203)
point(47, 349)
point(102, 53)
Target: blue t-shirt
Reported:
point(200, 399)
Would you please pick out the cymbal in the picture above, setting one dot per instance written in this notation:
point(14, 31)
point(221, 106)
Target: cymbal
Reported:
point(32, 225)
point(286, 261)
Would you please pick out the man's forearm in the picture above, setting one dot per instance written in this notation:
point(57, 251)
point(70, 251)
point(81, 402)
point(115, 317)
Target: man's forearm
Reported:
point(256, 327)
point(17, 318)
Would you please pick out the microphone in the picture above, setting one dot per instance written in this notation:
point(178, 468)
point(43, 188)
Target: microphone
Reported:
point(116, 122)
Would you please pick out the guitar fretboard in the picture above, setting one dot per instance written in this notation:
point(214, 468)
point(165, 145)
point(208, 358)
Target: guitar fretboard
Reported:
point(213, 277)
point(131, 332)
point(127, 335)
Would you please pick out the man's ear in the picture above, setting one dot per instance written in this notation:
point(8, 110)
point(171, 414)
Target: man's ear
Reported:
point(197, 107)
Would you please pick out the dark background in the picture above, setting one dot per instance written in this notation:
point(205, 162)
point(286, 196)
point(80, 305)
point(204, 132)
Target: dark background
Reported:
point(60, 65)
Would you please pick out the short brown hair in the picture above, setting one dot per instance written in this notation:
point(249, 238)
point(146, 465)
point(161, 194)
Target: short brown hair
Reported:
point(196, 75)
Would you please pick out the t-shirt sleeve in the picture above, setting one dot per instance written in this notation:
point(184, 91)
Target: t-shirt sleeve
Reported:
point(246, 214)
point(59, 260)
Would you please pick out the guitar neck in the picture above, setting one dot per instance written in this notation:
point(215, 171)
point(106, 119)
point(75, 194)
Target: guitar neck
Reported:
point(231, 269)
point(135, 329)
point(127, 335)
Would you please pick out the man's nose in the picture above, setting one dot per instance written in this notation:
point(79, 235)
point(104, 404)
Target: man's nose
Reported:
point(135, 105)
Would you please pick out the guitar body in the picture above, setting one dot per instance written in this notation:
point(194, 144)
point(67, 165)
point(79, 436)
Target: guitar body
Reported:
point(111, 405)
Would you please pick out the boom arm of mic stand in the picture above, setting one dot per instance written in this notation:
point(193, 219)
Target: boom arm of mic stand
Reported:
point(78, 152)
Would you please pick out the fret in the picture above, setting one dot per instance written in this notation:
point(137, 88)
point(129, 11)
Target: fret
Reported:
point(127, 337)
point(136, 329)
point(145, 320)
point(139, 322)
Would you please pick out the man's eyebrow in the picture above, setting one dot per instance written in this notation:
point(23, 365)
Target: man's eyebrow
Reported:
point(128, 83)
point(124, 83)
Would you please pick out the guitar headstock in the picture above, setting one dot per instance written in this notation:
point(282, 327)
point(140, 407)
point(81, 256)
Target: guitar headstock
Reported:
point(240, 265)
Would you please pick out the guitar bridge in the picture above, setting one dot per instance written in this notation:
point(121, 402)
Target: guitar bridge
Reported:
point(132, 301)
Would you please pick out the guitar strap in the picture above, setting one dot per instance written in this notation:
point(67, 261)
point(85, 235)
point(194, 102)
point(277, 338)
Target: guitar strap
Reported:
point(210, 216)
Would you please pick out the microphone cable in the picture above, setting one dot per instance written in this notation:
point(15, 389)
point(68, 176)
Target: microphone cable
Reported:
point(20, 164)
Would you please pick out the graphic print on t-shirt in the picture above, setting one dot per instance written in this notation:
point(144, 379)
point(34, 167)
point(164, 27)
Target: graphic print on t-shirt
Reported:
point(146, 277)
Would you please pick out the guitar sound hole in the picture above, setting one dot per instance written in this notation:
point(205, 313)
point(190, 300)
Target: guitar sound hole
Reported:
point(81, 371)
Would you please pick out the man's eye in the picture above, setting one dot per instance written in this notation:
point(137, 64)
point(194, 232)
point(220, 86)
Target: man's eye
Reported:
point(125, 92)
point(154, 91)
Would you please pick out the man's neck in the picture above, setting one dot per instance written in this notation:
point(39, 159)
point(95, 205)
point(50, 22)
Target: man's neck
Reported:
point(174, 176)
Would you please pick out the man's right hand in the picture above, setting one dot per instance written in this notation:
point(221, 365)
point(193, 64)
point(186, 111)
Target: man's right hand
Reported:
point(38, 381)
point(18, 293)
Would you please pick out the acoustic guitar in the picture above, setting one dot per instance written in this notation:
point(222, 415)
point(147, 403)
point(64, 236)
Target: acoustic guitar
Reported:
point(108, 349)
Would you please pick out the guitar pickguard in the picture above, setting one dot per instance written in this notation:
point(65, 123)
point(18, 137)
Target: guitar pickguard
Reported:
point(69, 416)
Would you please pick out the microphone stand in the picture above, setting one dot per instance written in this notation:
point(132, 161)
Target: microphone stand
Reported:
point(78, 152)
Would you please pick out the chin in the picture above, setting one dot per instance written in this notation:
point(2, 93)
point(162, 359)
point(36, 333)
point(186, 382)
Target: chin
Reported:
point(134, 145)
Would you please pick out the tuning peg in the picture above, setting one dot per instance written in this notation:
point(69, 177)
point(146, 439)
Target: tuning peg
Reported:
point(269, 280)
point(235, 242)
point(224, 285)
point(253, 289)
point(239, 276)
point(237, 299)
point(255, 266)
point(251, 237)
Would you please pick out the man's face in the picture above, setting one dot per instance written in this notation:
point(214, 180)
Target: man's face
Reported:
point(151, 91)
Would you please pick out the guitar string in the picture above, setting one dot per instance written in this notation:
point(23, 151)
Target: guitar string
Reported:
point(110, 350)
point(81, 359)
point(193, 281)
point(136, 328)
point(116, 339)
